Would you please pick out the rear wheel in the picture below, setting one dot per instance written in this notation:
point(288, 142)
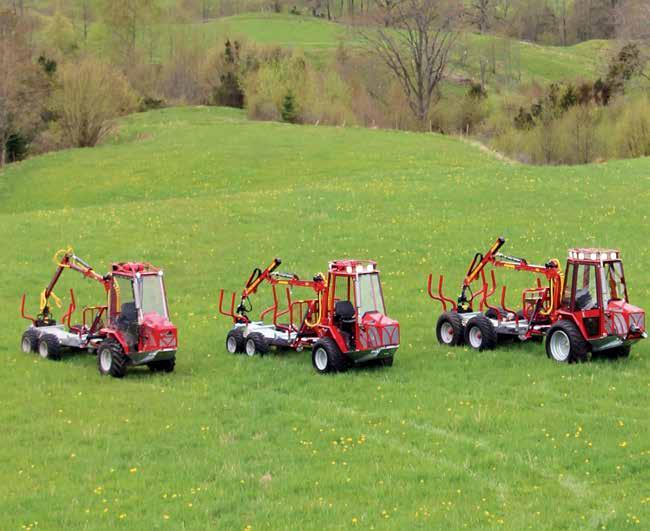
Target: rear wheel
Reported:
point(449, 329)
point(326, 356)
point(565, 344)
point(235, 342)
point(480, 334)
point(49, 347)
point(162, 365)
point(111, 359)
point(256, 343)
point(29, 341)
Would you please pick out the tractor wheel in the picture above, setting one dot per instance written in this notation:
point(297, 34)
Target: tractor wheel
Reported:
point(162, 365)
point(565, 344)
point(235, 343)
point(449, 329)
point(386, 362)
point(49, 347)
point(480, 334)
point(111, 359)
point(29, 341)
point(256, 343)
point(326, 356)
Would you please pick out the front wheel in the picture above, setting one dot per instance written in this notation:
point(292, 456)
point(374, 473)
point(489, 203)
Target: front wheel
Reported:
point(326, 356)
point(565, 344)
point(480, 333)
point(111, 359)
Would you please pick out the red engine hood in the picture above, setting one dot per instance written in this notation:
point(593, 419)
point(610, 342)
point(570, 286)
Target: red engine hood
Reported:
point(157, 332)
point(377, 330)
point(377, 319)
point(625, 307)
point(625, 319)
point(157, 322)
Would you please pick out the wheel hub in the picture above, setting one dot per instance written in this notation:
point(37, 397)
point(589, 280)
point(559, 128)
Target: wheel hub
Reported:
point(447, 332)
point(475, 337)
point(231, 344)
point(250, 347)
point(43, 350)
point(560, 346)
point(105, 360)
point(26, 345)
point(320, 358)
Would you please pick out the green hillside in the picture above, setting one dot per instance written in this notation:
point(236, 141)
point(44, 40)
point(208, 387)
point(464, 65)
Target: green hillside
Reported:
point(318, 37)
point(444, 439)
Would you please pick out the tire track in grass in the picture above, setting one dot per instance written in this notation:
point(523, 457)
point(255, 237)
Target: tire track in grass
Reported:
point(577, 487)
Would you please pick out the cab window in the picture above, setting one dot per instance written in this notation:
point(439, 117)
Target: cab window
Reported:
point(586, 288)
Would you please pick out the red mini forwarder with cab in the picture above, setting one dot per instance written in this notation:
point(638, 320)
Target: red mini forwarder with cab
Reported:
point(344, 322)
point(133, 328)
point(582, 311)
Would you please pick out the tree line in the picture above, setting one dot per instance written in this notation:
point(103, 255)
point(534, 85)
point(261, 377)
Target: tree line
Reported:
point(65, 76)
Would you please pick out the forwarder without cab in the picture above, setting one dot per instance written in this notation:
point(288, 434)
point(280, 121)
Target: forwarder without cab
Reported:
point(344, 322)
point(133, 328)
point(582, 311)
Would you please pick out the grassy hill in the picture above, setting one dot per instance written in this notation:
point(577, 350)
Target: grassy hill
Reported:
point(444, 439)
point(319, 38)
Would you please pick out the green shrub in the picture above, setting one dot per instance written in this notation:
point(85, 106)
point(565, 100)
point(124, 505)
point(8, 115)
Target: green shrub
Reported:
point(632, 132)
point(289, 110)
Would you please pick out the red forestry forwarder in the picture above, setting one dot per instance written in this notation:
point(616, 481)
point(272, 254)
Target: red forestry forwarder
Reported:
point(581, 311)
point(345, 322)
point(133, 328)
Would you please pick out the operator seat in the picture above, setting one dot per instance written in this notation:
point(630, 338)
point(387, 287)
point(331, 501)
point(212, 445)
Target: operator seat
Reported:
point(344, 320)
point(127, 322)
point(584, 300)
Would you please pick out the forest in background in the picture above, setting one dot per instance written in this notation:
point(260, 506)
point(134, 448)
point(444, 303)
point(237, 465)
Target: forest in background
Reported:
point(69, 68)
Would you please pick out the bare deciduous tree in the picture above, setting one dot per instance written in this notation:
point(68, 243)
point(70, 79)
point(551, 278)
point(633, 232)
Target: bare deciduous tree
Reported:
point(633, 20)
point(90, 95)
point(413, 39)
point(481, 13)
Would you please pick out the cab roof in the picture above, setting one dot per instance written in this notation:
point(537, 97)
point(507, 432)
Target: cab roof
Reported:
point(129, 269)
point(590, 254)
point(352, 267)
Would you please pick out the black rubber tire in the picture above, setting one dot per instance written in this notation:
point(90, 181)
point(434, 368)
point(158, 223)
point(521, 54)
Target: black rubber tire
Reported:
point(489, 336)
point(49, 347)
point(579, 350)
point(237, 334)
point(336, 360)
point(457, 327)
point(162, 365)
point(30, 335)
point(261, 344)
point(118, 359)
point(386, 362)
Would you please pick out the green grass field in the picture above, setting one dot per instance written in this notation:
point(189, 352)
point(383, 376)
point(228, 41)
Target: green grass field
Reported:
point(444, 439)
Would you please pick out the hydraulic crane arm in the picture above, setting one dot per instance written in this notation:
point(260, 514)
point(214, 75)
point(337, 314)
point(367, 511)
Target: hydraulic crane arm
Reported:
point(274, 278)
point(64, 259)
point(551, 270)
point(477, 265)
